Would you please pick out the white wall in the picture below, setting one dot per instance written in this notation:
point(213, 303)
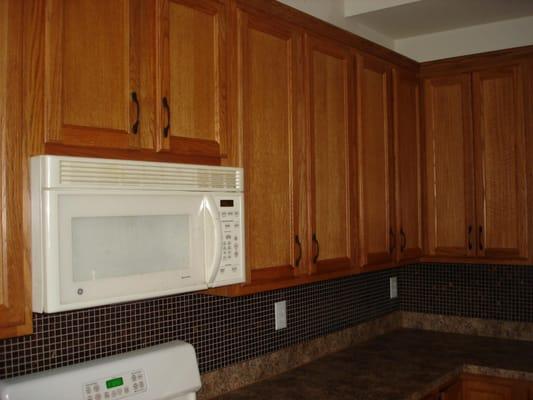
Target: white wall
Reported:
point(332, 11)
point(471, 40)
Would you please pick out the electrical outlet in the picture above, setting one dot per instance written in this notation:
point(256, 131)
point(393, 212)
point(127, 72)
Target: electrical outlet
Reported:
point(280, 313)
point(393, 285)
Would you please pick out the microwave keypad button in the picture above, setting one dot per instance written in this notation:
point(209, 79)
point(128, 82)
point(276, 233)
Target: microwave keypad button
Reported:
point(106, 395)
point(97, 396)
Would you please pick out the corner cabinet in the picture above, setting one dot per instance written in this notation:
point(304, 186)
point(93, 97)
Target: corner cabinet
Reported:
point(449, 166)
point(477, 202)
point(407, 156)
point(375, 163)
point(15, 287)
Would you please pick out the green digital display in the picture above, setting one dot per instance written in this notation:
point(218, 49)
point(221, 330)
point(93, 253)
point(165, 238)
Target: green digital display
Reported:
point(112, 383)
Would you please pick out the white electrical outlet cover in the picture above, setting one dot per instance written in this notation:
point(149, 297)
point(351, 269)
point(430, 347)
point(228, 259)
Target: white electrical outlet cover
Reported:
point(393, 284)
point(280, 314)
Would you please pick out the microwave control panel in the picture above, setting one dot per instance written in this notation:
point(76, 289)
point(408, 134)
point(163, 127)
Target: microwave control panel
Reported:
point(116, 387)
point(231, 218)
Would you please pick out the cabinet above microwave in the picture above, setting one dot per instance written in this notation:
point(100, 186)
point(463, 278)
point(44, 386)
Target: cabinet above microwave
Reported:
point(109, 231)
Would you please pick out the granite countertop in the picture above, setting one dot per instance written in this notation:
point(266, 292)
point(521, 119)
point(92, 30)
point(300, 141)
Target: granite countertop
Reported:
point(405, 364)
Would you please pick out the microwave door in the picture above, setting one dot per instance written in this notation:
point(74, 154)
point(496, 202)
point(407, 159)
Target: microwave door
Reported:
point(118, 247)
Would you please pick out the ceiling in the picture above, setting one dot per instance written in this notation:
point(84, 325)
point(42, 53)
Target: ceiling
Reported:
point(420, 17)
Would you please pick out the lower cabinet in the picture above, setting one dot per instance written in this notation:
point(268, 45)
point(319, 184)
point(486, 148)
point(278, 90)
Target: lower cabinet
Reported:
point(477, 387)
point(490, 388)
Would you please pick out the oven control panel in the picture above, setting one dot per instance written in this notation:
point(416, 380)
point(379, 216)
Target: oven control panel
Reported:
point(117, 386)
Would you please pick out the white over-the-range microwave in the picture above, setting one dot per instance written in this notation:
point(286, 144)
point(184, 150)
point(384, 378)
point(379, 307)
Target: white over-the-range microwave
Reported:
point(109, 231)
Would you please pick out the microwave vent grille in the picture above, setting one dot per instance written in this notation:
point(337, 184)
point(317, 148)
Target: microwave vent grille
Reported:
point(123, 174)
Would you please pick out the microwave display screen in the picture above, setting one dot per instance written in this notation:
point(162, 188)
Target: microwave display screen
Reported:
point(226, 203)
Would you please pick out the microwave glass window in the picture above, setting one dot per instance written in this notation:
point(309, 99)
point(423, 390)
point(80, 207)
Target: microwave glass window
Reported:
point(109, 247)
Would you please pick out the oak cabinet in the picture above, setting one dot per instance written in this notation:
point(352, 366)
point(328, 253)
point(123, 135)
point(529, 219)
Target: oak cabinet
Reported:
point(449, 171)
point(130, 78)
point(193, 69)
point(91, 76)
point(407, 156)
point(375, 165)
point(491, 388)
point(476, 188)
point(270, 125)
point(330, 72)
point(500, 163)
point(15, 295)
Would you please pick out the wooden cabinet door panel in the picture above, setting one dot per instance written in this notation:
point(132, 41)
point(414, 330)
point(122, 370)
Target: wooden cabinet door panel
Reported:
point(500, 163)
point(487, 388)
point(15, 285)
point(449, 166)
point(330, 81)
point(408, 165)
point(375, 165)
point(270, 131)
point(91, 71)
point(194, 77)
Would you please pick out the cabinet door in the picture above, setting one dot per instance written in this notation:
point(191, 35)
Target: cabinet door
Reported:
point(15, 287)
point(193, 107)
point(269, 89)
point(485, 388)
point(449, 166)
point(407, 161)
point(92, 73)
point(500, 156)
point(330, 84)
point(375, 162)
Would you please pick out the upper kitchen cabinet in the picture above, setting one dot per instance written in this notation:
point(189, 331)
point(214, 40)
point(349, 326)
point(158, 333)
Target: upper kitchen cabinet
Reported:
point(407, 142)
point(15, 281)
point(476, 173)
point(92, 79)
point(500, 163)
point(375, 165)
point(450, 219)
point(270, 129)
point(330, 73)
point(193, 70)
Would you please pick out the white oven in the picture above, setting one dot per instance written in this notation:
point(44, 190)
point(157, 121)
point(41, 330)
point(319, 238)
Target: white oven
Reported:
point(108, 231)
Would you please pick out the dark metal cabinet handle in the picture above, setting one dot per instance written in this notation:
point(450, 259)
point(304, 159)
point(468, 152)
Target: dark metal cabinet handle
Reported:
point(167, 109)
point(392, 241)
point(135, 127)
point(299, 244)
point(315, 241)
point(404, 240)
point(480, 237)
point(469, 237)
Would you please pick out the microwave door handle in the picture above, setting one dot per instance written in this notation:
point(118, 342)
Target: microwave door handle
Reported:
point(213, 214)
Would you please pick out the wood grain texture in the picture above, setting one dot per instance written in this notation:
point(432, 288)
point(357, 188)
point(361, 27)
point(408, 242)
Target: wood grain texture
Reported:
point(375, 162)
point(15, 285)
point(449, 187)
point(91, 68)
point(476, 387)
point(330, 73)
point(281, 12)
point(269, 128)
point(500, 162)
point(474, 62)
point(407, 149)
point(194, 74)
